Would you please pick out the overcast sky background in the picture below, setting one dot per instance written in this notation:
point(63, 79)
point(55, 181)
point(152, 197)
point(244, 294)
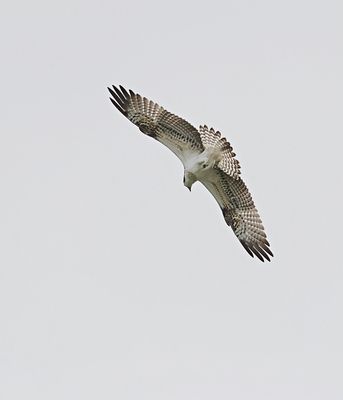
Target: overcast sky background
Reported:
point(115, 281)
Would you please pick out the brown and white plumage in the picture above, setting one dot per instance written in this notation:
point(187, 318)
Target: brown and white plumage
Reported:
point(207, 157)
point(174, 132)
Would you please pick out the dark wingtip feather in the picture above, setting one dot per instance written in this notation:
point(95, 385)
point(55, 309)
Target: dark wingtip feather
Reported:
point(260, 250)
point(257, 254)
point(116, 97)
point(267, 249)
point(119, 99)
point(120, 94)
point(117, 106)
point(247, 249)
point(124, 91)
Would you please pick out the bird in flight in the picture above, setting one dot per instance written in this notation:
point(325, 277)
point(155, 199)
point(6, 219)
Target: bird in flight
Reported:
point(207, 157)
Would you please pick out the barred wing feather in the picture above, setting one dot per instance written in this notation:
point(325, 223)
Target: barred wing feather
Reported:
point(174, 132)
point(240, 213)
point(228, 162)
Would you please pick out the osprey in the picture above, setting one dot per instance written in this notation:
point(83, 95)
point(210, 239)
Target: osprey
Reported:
point(207, 157)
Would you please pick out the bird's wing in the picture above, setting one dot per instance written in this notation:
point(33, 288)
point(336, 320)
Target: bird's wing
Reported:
point(228, 162)
point(239, 212)
point(174, 132)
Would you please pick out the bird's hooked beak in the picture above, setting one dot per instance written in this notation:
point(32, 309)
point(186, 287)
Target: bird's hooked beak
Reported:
point(188, 181)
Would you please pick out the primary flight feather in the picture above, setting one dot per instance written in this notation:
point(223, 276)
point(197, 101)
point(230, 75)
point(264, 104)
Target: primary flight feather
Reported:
point(207, 157)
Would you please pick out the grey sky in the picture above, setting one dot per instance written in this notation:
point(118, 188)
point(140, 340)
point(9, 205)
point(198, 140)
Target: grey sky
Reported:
point(116, 282)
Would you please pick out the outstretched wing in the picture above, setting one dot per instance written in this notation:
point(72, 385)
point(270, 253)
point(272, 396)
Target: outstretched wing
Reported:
point(239, 212)
point(174, 132)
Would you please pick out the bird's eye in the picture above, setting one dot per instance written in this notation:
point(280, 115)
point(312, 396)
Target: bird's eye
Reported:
point(204, 165)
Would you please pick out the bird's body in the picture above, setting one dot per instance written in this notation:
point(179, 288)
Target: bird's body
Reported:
point(207, 157)
point(200, 166)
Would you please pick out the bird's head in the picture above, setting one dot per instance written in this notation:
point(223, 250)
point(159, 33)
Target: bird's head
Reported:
point(189, 179)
